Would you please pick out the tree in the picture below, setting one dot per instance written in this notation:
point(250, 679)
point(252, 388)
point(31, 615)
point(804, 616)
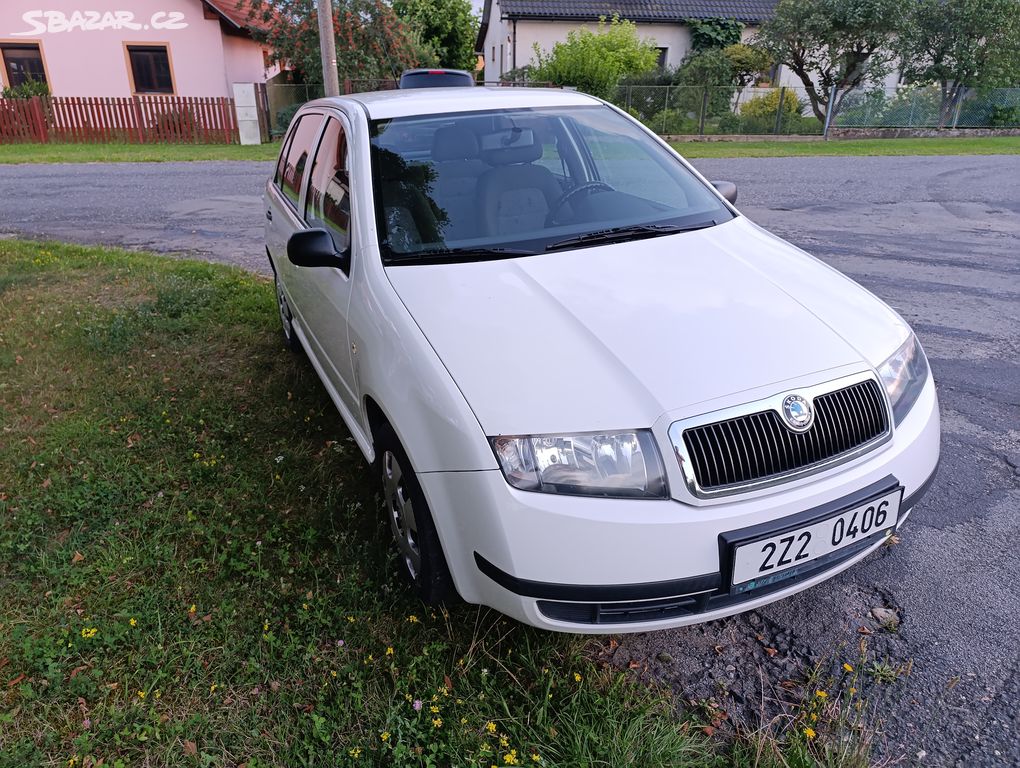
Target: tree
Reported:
point(747, 61)
point(448, 27)
point(961, 44)
point(826, 43)
point(371, 42)
point(594, 62)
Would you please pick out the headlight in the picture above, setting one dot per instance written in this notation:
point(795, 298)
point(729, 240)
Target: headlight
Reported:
point(621, 464)
point(903, 376)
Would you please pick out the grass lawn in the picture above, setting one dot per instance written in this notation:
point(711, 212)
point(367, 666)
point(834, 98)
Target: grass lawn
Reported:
point(194, 570)
point(132, 153)
point(992, 145)
point(159, 153)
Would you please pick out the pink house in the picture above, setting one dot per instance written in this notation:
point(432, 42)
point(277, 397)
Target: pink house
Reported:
point(126, 47)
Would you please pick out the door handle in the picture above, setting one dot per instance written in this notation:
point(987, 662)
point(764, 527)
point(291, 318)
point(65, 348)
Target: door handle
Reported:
point(269, 215)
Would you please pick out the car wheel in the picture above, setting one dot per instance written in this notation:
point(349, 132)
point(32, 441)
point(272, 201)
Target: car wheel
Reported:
point(290, 339)
point(414, 532)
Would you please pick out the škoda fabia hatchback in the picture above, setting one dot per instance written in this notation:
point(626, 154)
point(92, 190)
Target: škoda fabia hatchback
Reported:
point(597, 397)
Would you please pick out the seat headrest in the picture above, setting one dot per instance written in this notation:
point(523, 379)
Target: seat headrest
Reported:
point(454, 143)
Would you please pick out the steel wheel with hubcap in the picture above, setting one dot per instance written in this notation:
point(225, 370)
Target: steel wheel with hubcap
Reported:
point(414, 531)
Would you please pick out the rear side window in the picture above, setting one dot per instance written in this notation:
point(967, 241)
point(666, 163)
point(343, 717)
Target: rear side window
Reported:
point(291, 170)
point(329, 204)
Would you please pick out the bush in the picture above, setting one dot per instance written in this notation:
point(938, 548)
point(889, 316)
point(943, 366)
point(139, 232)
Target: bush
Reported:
point(27, 90)
point(1005, 117)
point(285, 116)
point(766, 105)
point(594, 62)
point(709, 69)
point(673, 121)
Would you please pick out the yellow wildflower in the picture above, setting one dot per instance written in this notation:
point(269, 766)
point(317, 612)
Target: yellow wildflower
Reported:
point(434, 709)
point(89, 632)
point(810, 733)
point(535, 757)
point(814, 717)
point(351, 619)
point(157, 693)
point(437, 722)
point(385, 735)
point(490, 727)
point(847, 667)
point(193, 608)
point(141, 694)
point(821, 694)
point(133, 622)
point(510, 758)
point(504, 741)
point(354, 752)
point(853, 691)
point(389, 650)
point(413, 619)
point(212, 688)
point(577, 677)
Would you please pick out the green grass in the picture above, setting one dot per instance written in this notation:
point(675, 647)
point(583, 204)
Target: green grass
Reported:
point(161, 153)
point(194, 568)
point(132, 153)
point(991, 145)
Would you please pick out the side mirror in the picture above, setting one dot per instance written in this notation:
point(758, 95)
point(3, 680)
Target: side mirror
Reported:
point(315, 248)
point(727, 189)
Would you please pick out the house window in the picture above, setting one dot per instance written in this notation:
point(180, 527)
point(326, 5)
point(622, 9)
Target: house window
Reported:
point(150, 68)
point(661, 61)
point(22, 62)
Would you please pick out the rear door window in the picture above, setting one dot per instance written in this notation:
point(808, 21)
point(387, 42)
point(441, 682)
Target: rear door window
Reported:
point(294, 162)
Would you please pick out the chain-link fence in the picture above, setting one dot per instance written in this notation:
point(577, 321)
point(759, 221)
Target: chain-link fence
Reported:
point(730, 110)
point(715, 110)
point(710, 110)
point(928, 107)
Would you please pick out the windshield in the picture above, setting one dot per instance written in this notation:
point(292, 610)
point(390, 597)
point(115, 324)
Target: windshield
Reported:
point(506, 183)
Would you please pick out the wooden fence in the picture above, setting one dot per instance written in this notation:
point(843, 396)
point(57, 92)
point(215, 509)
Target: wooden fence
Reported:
point(137, 120)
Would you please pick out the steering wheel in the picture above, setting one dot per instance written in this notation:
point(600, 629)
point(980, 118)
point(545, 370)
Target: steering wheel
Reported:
point(588, 186)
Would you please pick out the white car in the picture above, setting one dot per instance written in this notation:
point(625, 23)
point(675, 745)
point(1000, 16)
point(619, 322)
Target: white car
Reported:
point(599, 399)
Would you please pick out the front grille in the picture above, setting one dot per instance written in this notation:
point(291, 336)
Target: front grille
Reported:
point(759, 446)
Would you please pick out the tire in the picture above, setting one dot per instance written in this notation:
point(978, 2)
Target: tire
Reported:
point(290, 339)
point(414, 532)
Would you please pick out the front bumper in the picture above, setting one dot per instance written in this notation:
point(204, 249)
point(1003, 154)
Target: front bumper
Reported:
point(618, 565)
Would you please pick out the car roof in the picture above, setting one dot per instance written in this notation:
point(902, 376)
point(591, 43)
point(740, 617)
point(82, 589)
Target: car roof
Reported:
point(382, 105)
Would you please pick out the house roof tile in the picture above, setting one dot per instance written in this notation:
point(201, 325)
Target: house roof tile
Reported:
point(239, 13)
point(748, 11)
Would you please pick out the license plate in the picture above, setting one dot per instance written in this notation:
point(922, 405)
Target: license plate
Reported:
point(761, 560)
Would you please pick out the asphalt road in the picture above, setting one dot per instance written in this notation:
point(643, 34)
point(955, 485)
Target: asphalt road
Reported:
point(936, 237)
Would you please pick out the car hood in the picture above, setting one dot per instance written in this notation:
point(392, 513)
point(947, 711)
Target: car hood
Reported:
point(612, 337)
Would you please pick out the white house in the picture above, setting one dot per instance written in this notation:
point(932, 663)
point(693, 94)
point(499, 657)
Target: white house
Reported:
point(511, 28)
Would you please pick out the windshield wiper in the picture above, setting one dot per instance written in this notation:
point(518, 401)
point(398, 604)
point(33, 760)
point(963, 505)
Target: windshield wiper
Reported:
point(632, 232)
point(453, 255)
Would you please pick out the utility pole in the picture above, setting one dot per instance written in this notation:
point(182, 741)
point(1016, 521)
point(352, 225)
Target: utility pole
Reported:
point(327, 44)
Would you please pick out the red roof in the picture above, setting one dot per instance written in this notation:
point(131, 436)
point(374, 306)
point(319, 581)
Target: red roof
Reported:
point(239, 13)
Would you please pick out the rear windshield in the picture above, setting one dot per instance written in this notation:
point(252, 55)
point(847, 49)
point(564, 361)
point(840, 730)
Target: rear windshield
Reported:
point(519, 182)
point(435, 80)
